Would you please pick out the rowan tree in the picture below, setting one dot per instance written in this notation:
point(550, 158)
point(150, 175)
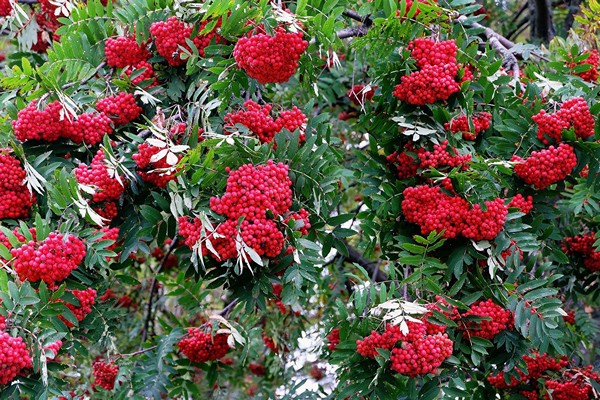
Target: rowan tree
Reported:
point(298, 199)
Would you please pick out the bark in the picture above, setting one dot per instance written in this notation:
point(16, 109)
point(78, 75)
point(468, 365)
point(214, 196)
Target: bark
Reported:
point(540, 16)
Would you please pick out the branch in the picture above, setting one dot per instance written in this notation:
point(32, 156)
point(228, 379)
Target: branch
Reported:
point(352, 32)
point(366, 20)
point(153, 288)
point(86, 80)
point(372, 267)
point(518, 28)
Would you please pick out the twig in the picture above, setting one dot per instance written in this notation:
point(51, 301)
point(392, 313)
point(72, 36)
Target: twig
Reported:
point(372, 267)
point(153, 289)
point(84, 81)
point(352, 32)
point(366, 20)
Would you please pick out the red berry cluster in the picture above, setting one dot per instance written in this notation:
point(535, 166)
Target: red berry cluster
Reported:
point(358, 95)
point(433, 210)
point(570, 317)
point(406, 166)
point(573, 113)
point(546, 167)
point(121, 109)
point(54, 347)
point(441, 157)
point(301, 215)
point(259, 121)
point(257, 368)
point(201, 346)
point(147, 74)
point(333, 339)
point(409, 4)
point(86, 298)
point(524, 204)
point(254, 193)
point(50, 124)
point(17, 200)
point(583, 245)
point(50, 260)
point(437, 78)
point(537, 365)
point(6, 8)
point(105, 374)
point(460, 124)
point(415, 353)
point(422, 356)
point(593, 60)
point(270, 59)
point(497, 319)
point(108, 210)
point(106, 186)
point(158, 172)
point(124, 51)
point(14, 357)
point(170, 36)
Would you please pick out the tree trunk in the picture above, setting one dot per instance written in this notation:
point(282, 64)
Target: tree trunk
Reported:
point(541, 26)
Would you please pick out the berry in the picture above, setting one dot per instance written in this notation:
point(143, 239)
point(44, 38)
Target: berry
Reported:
point(14, 357)
point(546, 167)
point(460, 124)
point(170, 36)
point(436, 79)
point(201, 346)
point(434, 210)
point(570, 317)
point(154, 170)
point(270, 59)
point(54, 348)
point(88, 128)
point(302, 216)
point(583, 245)
point(105, 374)
point(497, 319)
point(258, 120)
point(16, 198)
point(86, 298)
point(422, 356)
point(442, 157)
point(593, 61)
point(35, 124)
point(525, 205)
point(257, 369)
point(123, 51)
point(333, 339)
point(50, 260)
point(103, 181)
point(6, 8)
point(147, 74)
point(573, 113)
point(121, 109)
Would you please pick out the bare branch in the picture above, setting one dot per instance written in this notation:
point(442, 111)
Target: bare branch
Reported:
point(352, 32)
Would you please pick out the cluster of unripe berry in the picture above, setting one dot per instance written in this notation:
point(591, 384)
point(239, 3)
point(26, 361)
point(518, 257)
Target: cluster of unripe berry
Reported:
point(170, 36)
point(593, 61)
point(257, 194)
point(50, 260)
point(546, 167)
point(415, 353)
point(104, 182)
point(573, 113)
point(460, 124)
point(105, 374)
point(270, 59)
point(583, 246)
point(14, 357)
point(17, 200)
point(437, 78)
point(259, 121)
point(434, 210)
point(200, 346)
